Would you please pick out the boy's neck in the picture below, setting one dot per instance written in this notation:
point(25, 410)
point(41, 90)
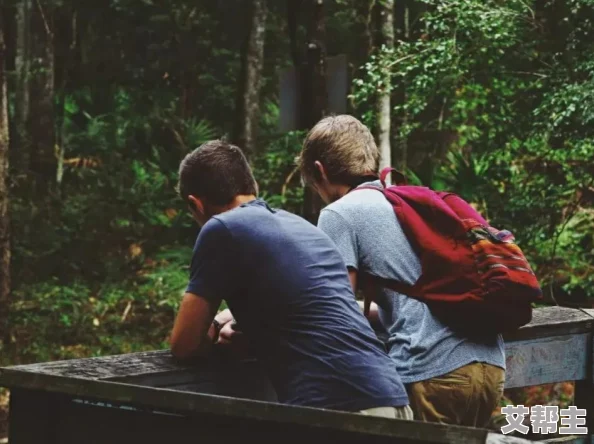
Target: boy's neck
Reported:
point(238, 201)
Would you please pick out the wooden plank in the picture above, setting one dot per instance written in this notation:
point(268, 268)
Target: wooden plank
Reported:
point(553, 321)
point(547, 360)
point(109, 366)
point(132, 397)
point(589, 311)
point(495, 438)
point(569, 439)
point(123, 427)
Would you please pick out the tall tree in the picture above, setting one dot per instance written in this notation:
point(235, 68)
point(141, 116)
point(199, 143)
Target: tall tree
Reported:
point(404, 141)
point(363, 27)
point(41, 127)
point(383, 100)
point(65, 42)
point(315, 94)
point(4, 195)
point(20, 141)
point(248, 109)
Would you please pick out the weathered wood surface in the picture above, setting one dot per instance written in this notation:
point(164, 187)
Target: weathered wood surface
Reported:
point(553, 321)
point(155, 362)
point(159, 366)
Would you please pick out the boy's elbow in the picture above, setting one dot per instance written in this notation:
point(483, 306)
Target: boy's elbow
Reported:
point(178, 351)
point(184, 351)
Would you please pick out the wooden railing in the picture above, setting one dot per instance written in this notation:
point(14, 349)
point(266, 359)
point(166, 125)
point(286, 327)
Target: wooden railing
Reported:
point(149, 398)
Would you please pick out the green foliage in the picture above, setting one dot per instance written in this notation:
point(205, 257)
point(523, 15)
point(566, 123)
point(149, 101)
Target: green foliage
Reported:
point(124, 196)
point(495, 101)
point(510, 110)
point(81, 319)
point(276, 173)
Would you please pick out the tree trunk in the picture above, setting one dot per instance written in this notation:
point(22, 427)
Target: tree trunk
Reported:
point(4, 196)
point(41, 126)
point(294, 7)
point(315, 95)
point(404, 144)
point(383, 106)
point(364, 9)
point(404, 16)
point(20, 142)
point(248, 111)
point(65, 42)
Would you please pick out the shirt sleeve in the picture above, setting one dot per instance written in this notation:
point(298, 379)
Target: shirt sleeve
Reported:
point(212, 267)
point(342, 234)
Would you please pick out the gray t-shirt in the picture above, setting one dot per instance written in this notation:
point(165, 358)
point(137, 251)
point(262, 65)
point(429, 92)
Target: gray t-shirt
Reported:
point(366, 231)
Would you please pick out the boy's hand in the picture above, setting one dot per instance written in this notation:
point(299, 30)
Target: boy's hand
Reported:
point(228, 335)
point(224, 316)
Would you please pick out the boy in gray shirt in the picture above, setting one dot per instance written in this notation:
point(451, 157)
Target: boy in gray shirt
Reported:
point(450, 378)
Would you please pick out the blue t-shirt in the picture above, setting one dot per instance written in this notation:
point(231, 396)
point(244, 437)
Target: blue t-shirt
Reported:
point(289, 291)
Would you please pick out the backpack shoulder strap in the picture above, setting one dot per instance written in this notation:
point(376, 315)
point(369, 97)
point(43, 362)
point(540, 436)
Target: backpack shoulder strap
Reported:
point(400, 178)
point(462, 208)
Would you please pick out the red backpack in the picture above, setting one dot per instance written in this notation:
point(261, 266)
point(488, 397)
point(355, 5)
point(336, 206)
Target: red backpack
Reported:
point(474, 277)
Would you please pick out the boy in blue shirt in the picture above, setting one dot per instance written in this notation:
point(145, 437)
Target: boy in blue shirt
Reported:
point(287, 285)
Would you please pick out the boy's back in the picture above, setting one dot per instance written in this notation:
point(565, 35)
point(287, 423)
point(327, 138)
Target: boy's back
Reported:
point(288, 289)
point(370, 239)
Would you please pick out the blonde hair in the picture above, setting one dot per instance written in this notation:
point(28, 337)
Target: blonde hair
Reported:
point(344, 146)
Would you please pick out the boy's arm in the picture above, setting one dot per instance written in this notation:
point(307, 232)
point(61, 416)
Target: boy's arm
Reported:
point(193, 331)
point(211, 277)
point(373, 315)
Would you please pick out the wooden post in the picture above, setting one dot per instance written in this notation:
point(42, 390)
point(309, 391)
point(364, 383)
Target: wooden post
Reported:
point(584, 390)
point(33, 417)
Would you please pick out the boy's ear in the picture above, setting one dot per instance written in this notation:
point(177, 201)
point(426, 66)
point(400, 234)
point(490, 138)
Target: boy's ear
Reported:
point(321, 170)
point(196, 204)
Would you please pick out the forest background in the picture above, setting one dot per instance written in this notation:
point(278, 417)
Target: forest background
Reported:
point(100, 101)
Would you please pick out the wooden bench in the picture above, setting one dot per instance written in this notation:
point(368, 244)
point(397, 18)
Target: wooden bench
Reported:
point(149, 398)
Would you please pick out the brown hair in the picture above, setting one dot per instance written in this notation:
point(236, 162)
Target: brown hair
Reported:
point(344, 146)
point(216, 171)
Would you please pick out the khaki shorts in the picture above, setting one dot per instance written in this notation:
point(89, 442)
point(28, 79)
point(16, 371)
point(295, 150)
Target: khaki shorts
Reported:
point(467, 396)
point(390, 412)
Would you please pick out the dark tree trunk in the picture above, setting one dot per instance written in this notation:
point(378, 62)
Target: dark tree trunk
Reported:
point(403, 19)
point(41, 125)
point(4, 195)
point(363, 27)
point(20, 141)
point(65, 46)
point(383, 108)
point(315, 95)
point(248, 109)
point(293, 9)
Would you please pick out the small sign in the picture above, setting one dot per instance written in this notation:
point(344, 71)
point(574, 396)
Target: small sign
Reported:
point(337, 85)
